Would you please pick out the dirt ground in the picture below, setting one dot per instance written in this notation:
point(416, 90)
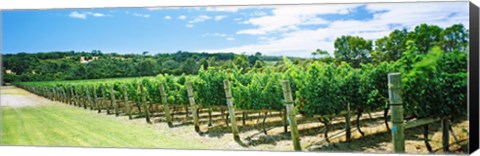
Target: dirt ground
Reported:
point(12, 96)
point(218, 136)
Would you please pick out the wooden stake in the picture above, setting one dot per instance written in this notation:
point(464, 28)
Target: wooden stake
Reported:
point(77, 99)
point(89, 100)
point(81, 99)
point(348, 134)
point(244, 115)
point(231, 109)
point(194, 106)
point(113, 100)
point(95, 99)
point(209, 117)
point(445, 135)
point(70, 98)
point(54, 94)
point(144, 103)
point(396, 105)
point(165, 104)
point(287, 94)
point(103, 103)
point(125, 98)
point(65, 96)
point(284, 119)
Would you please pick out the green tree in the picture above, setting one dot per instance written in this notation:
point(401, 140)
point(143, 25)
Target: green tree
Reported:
point(425, 36)
point(353, 50)
point(454, 38)
point(319, 52)
point(241, 62)
point(190, 66)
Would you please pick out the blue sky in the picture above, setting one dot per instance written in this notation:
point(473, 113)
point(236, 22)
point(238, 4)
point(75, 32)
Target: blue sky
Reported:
point(288, 30)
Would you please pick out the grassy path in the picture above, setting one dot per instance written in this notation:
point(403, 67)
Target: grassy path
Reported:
point(61, 125)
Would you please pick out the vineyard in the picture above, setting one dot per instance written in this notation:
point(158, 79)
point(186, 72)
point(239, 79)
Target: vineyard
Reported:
point(417, 90)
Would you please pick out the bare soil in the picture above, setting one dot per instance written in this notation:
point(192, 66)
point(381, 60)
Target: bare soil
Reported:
point(12, 96)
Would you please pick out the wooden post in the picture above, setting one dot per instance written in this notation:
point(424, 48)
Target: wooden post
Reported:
point(244, 115)
point(78, 95)
point(102, 104)
point(54, 94)
point(396, 105)
point(165, 104)
point(284, 119)
point(209, 117)
point(95, 99)
point(65, 96)
point(191, 98)
point(59, 94)
point(72, 95)
point(51, 94)
point(287, 94)
point(75, 98)
point(113, 100)
point(89, 100)
point(445, 135)
point(144, 103)
point(125, 98)
point(231, 109)
point(348, 134)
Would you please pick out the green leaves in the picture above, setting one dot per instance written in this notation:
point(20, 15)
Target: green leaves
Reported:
point(264, 91)
point(209, 87)
point(321, 90)
point(435, 84)
point(175, 89)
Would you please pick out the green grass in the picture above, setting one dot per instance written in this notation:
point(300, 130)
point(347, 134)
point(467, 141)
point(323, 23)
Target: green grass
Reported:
point(61, 125)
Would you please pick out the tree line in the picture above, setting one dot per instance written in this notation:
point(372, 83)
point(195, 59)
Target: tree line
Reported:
point(67, 66)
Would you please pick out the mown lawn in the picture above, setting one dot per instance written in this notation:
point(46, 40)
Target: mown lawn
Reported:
point(62, 125)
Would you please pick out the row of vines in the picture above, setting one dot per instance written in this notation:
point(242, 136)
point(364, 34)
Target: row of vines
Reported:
point(434, 85)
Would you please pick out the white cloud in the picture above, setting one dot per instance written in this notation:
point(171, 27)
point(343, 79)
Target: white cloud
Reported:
point(215, 34)
point(258, 13)
point(168, 17)
point(230, 38)
point(141, 15)
point(98, 15)
point(84, 15)
point(200, 18)
point(286, 18)
point(182, 17)
point(301, 42)
point(78, 15)
point(220, 17)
